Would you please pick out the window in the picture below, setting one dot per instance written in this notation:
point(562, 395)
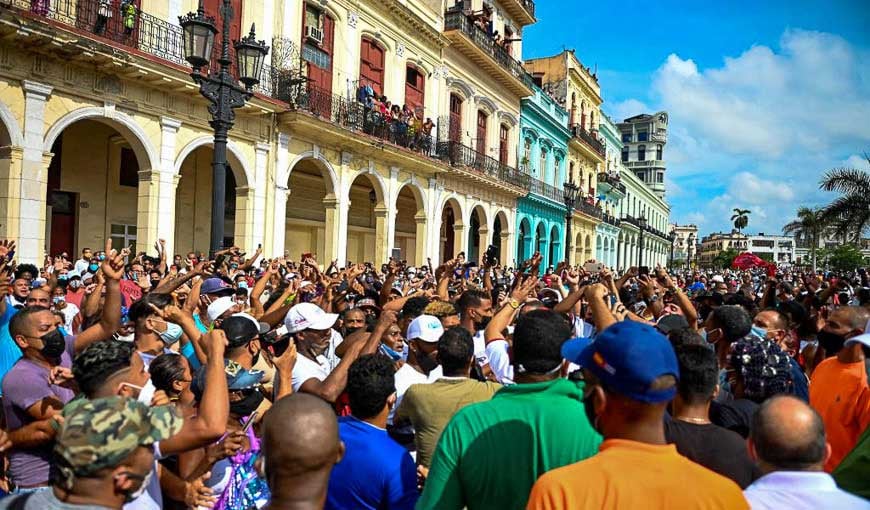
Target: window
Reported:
point(625, 154)
point(481, 131)
point(371, 66)
point(542, 165)
point(527, 154)
point(626, 137)
point(660, 177)
point(642, 136)
point(455, 132)
point(573, 109)
point(641, 152)
point(415, 88)
point(502, 144)
point(318, 57)
point(557, 164)
point(129, 174)
point(571, 171)
point(659, 152)
point(122, 236)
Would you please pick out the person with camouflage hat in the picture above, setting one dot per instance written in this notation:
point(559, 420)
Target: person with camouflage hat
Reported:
point(103, 455)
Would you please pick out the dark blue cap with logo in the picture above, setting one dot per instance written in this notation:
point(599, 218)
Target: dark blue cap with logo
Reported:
point(627, 357)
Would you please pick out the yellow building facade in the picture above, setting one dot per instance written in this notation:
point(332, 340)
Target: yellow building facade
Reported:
point(104, 134)
point(577, 89)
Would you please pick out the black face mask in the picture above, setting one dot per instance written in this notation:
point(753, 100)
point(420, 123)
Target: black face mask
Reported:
point(247, 405)
point(483, 323)
point(350, 331)
point(53, 344)
point(831, 342)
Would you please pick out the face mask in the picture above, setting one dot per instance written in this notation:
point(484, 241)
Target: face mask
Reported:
point(172, 333)
point(831, 342)
point(74, 284)
point(93, 268)
point(483, 323)
point(53, 344)
point(154, 283)
point(57, 299)
point(759, 331)
point(124, 338)
point(62, 277)
point(247, 405)
point(243, 285)
point(146, 480)
point(393, 355)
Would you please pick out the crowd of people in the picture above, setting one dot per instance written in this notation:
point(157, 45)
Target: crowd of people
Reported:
point(235, 381)
point(401, 125)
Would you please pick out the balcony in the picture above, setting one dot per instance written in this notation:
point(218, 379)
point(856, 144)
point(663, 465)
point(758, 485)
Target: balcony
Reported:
point(458, 155)
point(147, 34)
point(588, 139)
point(612, 220)
point(493, 59)
point(583, 206)
point(523, 11)
point(653, 163)
point(545, 190)
point(611, 181)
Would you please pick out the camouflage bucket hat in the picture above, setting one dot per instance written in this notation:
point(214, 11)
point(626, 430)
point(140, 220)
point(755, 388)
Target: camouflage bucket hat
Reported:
point(100, 433)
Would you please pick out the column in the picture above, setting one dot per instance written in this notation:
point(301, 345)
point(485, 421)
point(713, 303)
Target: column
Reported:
point(31, 221)
point(460, 239)
point(279, 221)
point(155, 216)
point(420, 241)
point(382, 242)
point(506, 250)
point(391, 196)
point(433, 232)
point(482, 242)
point(147, 206)
point(334, 231)
point(258, 208)
point(11, 160)
point(243, 233)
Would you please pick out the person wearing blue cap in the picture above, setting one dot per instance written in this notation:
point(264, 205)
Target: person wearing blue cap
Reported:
point(631, 374)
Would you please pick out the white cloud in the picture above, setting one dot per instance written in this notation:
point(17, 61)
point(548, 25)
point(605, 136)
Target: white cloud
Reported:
point(758, 131)
point(620, 111)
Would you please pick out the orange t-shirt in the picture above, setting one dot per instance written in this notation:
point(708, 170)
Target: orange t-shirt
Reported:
point(839, 393)
point(629, 474)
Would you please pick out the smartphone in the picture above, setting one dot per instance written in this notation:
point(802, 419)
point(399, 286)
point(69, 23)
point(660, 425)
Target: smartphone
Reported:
point(250, 422)
point(643, 270)
point(593, 267)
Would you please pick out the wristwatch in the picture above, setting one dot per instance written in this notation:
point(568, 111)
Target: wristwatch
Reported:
point(514, 304)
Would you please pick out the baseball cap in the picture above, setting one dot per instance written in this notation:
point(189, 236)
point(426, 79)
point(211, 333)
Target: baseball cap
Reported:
point(308, 316)
point(426, 328)
point(863, 338)
point(262, 327)
point(717, 278)
point(216, 286)
point(218, 307)
point(671, 322)
point(627, 357)
point(101, 433)
point(367, 303)
point(239, 330)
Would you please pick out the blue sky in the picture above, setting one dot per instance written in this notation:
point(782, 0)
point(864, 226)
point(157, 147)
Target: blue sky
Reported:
point(763, 96)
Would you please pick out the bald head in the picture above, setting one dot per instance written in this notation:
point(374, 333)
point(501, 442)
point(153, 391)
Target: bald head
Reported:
point(788, 435)
point(300, 439)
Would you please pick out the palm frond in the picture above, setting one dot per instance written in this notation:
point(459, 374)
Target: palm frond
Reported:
point(846, 180)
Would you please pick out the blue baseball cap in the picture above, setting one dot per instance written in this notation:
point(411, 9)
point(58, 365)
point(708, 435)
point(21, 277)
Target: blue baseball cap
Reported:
point(627, 357)
point(216, 286)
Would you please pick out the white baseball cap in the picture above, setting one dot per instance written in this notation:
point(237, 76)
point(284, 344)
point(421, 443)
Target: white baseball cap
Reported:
point(717, 278)
point(863, 338)
point(218, 307)
point(427, 328)
point(308, 316)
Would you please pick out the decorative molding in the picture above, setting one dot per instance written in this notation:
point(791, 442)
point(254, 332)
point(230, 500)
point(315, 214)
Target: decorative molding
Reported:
point(400, 50)
point(352, 19)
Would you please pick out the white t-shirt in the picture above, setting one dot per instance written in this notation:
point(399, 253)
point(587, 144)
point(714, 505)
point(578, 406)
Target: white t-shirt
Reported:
point(583, 329)
point(334, 341)
point(480, 348)
point(500, 362)
point(405, 377)
point(307, 369)
point(69, 314)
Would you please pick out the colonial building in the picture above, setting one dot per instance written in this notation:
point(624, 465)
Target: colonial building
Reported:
point(544, 150)
point(611, 193)
point(576, 88)
point(778, 249)
point(643, 214)
point(685, 241)
point(644, 138)
point(104, 133)
point(717, 242)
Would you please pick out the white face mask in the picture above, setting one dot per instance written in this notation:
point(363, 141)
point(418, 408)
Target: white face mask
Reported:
point(146, 393)
point(133, 496)
point(125, 338)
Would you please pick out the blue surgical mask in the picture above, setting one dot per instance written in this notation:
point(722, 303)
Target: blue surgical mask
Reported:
point(759, 331)
point(703, 333)
point(172, 334)
point(243, 284)
point(57, 299)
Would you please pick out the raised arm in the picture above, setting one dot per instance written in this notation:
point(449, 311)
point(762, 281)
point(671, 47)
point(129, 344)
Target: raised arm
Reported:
point(110, 320)
point(503, 317)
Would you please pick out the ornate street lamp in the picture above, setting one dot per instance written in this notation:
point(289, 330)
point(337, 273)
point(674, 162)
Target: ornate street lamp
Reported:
point(569, 194)
point(671, 237)
point(222, 91)
point(641, 224)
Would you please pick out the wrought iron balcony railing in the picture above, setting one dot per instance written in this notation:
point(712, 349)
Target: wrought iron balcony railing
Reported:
point(457, 154)
point(529, 6)
point(582, 205)
point(611, 180)
point(133, 29)
point(613, 220)
point(588, 138)
point(546, 190)
point(458, 20)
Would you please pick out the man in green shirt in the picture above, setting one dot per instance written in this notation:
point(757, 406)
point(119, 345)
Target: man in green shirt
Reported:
point(430, 406)
point(491, 453)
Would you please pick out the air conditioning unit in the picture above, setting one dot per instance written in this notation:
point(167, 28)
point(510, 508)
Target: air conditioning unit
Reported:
point(314, 34)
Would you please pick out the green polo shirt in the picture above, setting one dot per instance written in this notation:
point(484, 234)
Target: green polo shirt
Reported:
point(491, 453)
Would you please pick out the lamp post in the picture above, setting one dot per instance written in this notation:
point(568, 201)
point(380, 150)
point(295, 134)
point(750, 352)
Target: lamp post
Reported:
point(690, 249)
point(671, 237)
point(569, 194)
point(641, 224)
point(222, 91)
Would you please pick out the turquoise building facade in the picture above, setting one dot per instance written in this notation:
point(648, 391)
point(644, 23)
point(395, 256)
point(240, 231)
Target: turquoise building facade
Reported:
point(543, 152)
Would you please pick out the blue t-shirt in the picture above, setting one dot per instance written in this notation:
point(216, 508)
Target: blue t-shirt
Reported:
point(376, 472)
point(9, 351)
point(801, 388)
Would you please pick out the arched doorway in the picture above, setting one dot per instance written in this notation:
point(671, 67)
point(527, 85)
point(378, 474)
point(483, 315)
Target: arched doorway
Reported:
point(411, 225)
point(500, 236)
point(541, 242)
point(311, 211)
point(193, 201)
point(477, 234)
point(524, 242)
point(451, 222)
point(579, 250)
point(587, 245)
point(365, 220)
point(92, 188)
point(555, 252)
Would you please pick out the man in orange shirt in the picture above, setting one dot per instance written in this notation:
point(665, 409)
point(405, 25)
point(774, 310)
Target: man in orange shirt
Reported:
point(631, 373)
point(838, 388)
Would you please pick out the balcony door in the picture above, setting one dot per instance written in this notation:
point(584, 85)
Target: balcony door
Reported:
point(415, 89)
point(371, 65)
point(503, 144)
point(480, 146)
point(213, 8)
point(455, 133)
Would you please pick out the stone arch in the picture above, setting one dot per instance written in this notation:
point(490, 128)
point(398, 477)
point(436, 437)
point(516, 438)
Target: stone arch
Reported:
point(486, 104)
point(11, 134)
point(414, 245)
point(478, 238)
point(464, 90)
point(455, 205)
point(139, 141)
point(418, 192)
point(320, 161)
point(452, 227)
point(555, 241)
point(377, 181)
point(242, 171)
point(508, 118)
point(378, 38)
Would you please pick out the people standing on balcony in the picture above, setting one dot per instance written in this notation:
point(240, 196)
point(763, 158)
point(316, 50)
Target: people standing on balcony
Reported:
point(104, 12)
point(128, 13)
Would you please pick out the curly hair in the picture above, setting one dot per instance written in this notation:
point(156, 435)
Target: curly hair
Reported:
point(100, 361)
point(370, 382)
point(763, 367)
point(440, 309)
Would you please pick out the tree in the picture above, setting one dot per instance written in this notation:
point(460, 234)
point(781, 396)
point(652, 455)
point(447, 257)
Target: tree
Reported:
point(848, 214)
point(724, 259)
point(809, 225)
point(845, 257)
point(740, 218)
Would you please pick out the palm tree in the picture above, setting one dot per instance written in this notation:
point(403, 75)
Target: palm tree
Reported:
point(848, 214)
point(740, 219)
point(809, 225)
